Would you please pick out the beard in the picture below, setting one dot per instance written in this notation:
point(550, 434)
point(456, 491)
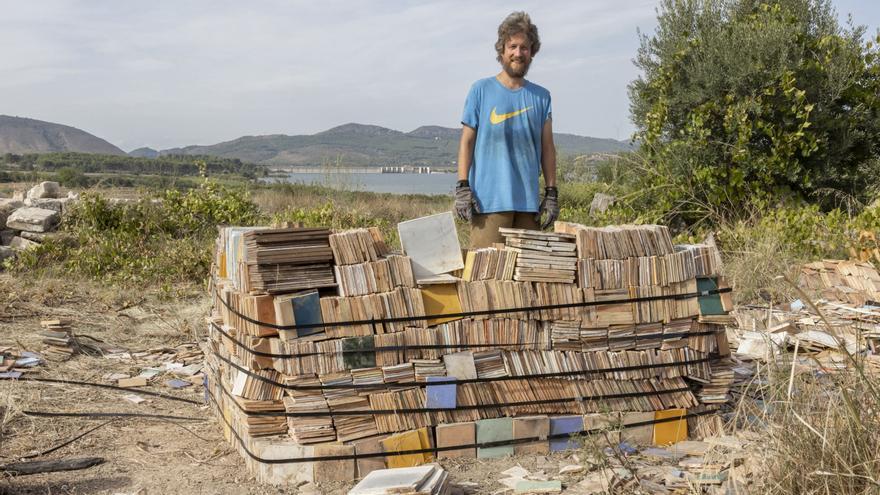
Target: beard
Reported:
point(520, 70)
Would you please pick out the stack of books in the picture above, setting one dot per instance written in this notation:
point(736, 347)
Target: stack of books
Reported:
point(58, 339)
point(541, 256)
point(308, 430)
point(618, 242)
point(374, 276)
point(284, 260)
point(357, 246)
point(402, 302)
point(574, 322)
point(489, 264)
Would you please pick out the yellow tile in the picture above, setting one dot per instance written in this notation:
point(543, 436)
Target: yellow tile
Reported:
point(441, 299)
point(670, 432)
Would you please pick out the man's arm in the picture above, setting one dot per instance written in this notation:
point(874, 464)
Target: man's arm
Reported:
point(466, 151)
point(464, 197)
point(548, 155)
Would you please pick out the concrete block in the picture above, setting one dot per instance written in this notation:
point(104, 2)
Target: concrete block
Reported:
point(334, 471)
point(290, 474)
point(33, 219)
point(45, 189)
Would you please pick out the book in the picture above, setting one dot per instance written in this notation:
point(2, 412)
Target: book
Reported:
point(670, 432)
point(531, 427)
point(449, 435)
point(432, 244)
point(440, 393)
point(441, 299)
point(565, 424)
point(303, 308)
point(409, 440)
point(494, 430)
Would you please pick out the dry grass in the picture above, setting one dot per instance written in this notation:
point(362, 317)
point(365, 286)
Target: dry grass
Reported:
point(821, 437)
point(754, 262)
point(819, 431)
point(325, 207)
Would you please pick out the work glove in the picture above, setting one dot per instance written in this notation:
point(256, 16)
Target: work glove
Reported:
point(464, 201)
point(549, 208)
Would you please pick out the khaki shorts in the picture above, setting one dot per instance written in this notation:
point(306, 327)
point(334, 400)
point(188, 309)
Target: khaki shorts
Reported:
point(484, 227)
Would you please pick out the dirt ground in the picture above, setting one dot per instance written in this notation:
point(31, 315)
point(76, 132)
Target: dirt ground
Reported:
point(143, 456)
point(152, 456)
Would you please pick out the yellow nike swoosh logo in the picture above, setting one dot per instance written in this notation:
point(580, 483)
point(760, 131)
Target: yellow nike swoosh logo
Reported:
point(496, 118)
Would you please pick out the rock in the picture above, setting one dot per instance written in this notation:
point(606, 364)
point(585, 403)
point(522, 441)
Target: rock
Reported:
point(20, 244)
point(571, 469)
point(47, 203)
point(516, 472)
point(18, 195)
point(33, 219)
point(6, 252)
point(45, 189)
point(308, 489)
point(6, 235)
point(600, 203)
point(597, 482)
point(35, 236)
point(7, 206)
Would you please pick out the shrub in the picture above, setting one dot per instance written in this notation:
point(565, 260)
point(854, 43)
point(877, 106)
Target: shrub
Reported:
point(161, 240)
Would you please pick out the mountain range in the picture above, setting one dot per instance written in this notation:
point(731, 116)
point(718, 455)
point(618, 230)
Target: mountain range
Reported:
point(357, 145)
point(22, 135)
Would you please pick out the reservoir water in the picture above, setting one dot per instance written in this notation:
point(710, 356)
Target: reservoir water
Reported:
point(442, 183)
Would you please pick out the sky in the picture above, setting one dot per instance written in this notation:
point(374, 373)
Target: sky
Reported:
point(166, 73)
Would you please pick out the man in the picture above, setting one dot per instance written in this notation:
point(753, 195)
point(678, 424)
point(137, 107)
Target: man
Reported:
point(506, 142)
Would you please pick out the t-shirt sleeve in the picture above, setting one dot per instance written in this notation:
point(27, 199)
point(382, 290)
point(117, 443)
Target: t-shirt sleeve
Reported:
point(471, 115)
point(549, 110)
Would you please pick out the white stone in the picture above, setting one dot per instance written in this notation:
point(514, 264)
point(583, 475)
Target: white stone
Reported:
point(45, 189)
point(20, 244)
point(47, 203)
point(34, 236)
point(7, 206)
point(571, 469)
point(33, 219)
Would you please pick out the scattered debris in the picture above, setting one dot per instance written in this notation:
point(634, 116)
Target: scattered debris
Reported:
point(427, 479)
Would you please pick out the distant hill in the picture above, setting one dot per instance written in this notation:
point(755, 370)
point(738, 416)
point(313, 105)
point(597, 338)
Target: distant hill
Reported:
point(369, 145)
point(144, 153)
point(20, 135)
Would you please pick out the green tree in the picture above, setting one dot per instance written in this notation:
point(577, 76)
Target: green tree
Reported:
point(71, 177)
point(749, 101)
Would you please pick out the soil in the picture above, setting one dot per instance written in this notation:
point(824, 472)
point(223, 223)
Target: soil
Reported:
point(142, 456)
point(161, 456)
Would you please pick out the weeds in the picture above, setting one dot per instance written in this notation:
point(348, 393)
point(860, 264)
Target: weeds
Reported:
point(158, 241)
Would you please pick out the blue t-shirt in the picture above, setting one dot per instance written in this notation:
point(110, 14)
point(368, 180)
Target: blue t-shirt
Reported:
point(507, 155)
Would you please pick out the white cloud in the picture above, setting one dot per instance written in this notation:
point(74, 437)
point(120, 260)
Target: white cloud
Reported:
point(170, 73)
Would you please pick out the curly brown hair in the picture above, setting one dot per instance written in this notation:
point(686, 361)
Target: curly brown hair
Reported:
point(517, 23)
